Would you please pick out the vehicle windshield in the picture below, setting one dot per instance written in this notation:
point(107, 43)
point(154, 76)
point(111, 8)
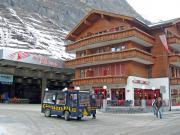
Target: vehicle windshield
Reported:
point(49, 97)
point(84, 99)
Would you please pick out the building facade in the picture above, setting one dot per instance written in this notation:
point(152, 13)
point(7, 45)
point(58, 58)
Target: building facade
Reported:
point(25, 75)
point(121, 58)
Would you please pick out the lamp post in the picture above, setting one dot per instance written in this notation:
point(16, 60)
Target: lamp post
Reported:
point(104, 100)
point(143, 101)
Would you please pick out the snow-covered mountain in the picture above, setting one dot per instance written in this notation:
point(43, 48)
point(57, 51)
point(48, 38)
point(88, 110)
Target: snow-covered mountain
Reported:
point(31, 33)
point(40, 26)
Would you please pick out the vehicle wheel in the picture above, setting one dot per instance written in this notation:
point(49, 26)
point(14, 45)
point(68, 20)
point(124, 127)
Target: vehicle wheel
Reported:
point(59, 116)
point(47, 113)
point(79, 118)
point(66, 115)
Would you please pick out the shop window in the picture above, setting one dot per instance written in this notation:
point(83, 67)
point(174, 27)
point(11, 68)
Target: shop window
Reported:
point(175, 97)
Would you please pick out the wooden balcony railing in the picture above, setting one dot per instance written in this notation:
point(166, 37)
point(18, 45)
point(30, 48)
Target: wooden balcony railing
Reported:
point(133, 32)
point(173, 40)
point(100, 80)
point(175, 58)
point(130, 54)
point(175, 81)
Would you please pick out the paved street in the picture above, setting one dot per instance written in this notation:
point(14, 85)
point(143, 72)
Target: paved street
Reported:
point(27, 120)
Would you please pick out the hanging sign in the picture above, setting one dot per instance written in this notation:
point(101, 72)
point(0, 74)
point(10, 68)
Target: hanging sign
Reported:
point(6, 79)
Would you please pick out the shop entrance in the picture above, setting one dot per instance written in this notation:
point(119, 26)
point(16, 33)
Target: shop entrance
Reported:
point(100, 95)
point(118, 97)
point(148, 95)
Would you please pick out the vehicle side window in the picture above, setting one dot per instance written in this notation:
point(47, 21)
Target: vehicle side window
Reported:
point(73, 99)
point(60, 98)
point(48, 98)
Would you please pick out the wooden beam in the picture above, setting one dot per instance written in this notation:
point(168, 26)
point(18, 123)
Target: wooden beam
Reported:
point(87, 23)
point(102, 16)
point(73, 36)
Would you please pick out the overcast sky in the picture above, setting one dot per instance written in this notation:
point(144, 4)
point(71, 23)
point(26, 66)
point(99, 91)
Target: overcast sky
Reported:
point(157, 10)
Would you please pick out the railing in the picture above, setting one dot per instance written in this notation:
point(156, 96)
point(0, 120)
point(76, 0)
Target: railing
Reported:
point(148, 102)
point(173, 40)
point(119, 55)
point(119, 103)
point(100, 80)
point(175, 81)
point(174, 58)
point(133, 32)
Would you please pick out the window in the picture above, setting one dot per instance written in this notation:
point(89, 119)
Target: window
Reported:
point(149, 70)
point(72, 100)
point(49, 98)
point(84, 99)
point(60, 98)
point(169, 34)
point(82, 73)
point(175, 94)
point(118, 48)
point(82, 53)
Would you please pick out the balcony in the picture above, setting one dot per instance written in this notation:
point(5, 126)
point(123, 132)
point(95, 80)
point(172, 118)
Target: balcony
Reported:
point(136, 55)
point(104, 39)
point(175, 60)
point(100, 80)
point(175, 81)
point(174, 42)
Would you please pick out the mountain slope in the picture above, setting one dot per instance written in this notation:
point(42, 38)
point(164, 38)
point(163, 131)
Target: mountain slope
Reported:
point(31, 32)
point(41, 25)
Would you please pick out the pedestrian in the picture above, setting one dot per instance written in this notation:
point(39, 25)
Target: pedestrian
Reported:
point(93, 105)
point(159, 108)
point(154, 106)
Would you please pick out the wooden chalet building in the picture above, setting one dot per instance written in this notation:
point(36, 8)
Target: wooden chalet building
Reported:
point(121, 58)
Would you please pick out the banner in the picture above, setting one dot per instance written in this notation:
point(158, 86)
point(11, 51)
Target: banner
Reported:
point(164, 42)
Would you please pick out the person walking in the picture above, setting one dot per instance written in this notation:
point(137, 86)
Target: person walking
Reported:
point(159, 107)
point(154, 106)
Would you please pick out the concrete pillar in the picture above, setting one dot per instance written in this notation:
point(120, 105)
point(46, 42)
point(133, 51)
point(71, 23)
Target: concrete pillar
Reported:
point(44, 86)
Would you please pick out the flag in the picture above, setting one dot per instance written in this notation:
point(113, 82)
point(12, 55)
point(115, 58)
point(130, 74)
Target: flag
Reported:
point(164, 42)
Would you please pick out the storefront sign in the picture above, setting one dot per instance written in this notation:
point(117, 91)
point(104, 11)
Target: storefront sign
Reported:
point(141, 82)
point(6, 79)
point(32, 58)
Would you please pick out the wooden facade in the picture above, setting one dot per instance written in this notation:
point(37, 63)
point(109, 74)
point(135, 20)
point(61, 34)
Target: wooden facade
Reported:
point(103, 39)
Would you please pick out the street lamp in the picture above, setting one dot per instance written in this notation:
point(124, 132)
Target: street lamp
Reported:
point(143, 87)
point(77, 88)
point(153, 88)
point(65, 89)
point(105, 87)
point(46, 89)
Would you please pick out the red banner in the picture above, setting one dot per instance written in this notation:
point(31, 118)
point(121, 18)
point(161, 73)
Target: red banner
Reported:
point(164, 42)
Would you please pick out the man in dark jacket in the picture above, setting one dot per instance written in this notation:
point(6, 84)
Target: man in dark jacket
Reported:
point(159, 107)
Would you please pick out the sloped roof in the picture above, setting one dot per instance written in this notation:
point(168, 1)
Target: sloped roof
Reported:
point(164, 23)
point(92, 16)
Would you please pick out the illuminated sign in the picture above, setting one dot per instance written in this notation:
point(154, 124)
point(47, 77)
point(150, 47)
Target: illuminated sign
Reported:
point(28, 57)
point(141, 82)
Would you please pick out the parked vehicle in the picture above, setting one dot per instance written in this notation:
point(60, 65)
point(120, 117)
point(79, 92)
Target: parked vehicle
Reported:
point(68, 104)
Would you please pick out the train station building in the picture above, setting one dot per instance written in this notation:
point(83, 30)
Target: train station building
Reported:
point(25, 75)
